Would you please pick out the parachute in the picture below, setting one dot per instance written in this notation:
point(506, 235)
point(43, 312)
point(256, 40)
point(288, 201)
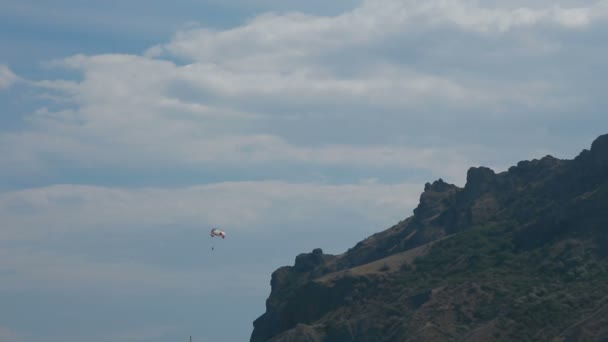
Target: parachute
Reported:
point(217, 232)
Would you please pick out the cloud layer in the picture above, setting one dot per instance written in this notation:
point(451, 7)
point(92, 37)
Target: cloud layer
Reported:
point(245, 94)
point(7, 77)
point(294, 130)
point(246, 206)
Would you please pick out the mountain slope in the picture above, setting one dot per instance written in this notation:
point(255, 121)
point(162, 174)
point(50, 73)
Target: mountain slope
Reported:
point(518, 255)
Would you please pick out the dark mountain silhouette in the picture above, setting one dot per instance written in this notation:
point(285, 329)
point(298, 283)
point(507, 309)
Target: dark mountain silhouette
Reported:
point(518, 255)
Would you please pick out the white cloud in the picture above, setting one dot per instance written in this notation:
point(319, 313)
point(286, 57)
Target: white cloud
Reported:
point(39, 212)
point(296, 37)
point(124, 113)
point(7, 77)
point(244, 82)
point(32, 217)
point(139, 83)
point(470, 16)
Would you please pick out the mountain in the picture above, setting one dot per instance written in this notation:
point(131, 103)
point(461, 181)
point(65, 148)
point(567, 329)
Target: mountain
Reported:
point(518, 255)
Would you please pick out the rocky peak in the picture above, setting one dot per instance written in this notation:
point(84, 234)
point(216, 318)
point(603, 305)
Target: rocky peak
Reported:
point(534, 170)
point(480, 180)
point(549, 160)
point(308, 261)
point(438, 186)
point(599, 150)
point(433, 199)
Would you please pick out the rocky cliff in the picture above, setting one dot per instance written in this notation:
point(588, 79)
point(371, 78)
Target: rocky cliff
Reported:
point(518, 255)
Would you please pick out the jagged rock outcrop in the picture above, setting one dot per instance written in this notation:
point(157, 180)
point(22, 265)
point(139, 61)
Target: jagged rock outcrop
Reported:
point(517, 255)
point(308, 261)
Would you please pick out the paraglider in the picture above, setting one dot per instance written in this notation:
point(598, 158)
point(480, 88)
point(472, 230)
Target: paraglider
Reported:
point(217, 232)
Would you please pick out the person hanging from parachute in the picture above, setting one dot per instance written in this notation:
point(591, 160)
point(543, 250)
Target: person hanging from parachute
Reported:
point(217, 232)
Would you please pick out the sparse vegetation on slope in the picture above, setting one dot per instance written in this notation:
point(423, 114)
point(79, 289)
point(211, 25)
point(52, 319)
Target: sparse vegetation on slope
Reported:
point(519, 255)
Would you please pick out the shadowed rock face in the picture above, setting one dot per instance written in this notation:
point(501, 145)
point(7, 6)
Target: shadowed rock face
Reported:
point(518, 255)
point(308, 261)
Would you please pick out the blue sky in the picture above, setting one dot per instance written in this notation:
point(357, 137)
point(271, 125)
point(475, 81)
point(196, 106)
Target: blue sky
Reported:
point(129, 129)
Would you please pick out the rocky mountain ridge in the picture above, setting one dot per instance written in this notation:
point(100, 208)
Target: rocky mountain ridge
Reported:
point(518, 255)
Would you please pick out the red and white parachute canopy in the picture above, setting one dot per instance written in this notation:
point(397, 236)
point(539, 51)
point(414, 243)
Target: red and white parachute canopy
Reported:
point(218, 232)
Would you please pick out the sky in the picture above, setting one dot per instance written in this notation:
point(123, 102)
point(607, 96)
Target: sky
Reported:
point(128, 129)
